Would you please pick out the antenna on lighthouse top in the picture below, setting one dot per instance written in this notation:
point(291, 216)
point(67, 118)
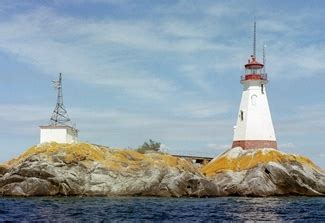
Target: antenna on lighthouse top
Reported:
point(264, 58)
point(60, 114)
point(254, 39)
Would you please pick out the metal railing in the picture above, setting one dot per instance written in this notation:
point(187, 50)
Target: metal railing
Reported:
point(253, 77)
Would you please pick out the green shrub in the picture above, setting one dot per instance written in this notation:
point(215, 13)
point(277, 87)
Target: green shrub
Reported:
point(150, 146)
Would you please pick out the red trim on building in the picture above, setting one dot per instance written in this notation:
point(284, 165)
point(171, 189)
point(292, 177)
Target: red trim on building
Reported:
point(254, 64)
point(255, 144)
point(254, 77)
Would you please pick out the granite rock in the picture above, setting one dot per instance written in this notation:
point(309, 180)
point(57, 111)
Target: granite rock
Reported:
point(89, 170)
point(264, 172)
point(92, 170)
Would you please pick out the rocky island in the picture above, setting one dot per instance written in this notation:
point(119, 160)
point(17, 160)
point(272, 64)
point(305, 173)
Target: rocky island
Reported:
point(91, 170)
point(264, 172)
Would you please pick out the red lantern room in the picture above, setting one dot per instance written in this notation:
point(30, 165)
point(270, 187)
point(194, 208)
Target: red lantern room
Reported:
point(254, 71)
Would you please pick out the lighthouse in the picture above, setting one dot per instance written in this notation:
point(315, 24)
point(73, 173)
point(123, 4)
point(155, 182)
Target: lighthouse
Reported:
point(254, 128)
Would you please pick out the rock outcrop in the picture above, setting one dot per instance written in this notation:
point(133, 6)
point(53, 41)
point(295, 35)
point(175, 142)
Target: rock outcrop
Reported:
point(85, 169)
point(264, 172)
point(92, 170)
point(3, 169)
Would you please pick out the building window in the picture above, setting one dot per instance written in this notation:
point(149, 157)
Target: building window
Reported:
point(262, 88)
point(253, 99)
point(242, 115)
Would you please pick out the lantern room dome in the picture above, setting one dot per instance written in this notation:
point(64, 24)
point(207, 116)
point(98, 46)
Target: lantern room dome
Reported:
point(253, 64)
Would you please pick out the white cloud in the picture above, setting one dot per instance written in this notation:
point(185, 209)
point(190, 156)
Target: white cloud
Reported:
point(215, 146)
point(114, 2)
point(107, 52)
point(98, 122)
point(111, 52)
point(202, 109)
point(52, 43)
point(303, 121)
point(288, 145)
point(22, 113)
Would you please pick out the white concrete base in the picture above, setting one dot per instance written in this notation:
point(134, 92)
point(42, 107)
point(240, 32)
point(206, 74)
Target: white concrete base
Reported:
point(59, 134)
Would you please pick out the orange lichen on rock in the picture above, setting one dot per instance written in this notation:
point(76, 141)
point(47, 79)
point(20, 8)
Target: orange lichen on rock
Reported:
point(77, 152)
point(170, 160)
point(115, 159)
point(237, 159)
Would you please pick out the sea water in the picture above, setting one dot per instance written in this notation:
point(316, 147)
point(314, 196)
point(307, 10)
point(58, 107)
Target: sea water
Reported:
point(89, 209)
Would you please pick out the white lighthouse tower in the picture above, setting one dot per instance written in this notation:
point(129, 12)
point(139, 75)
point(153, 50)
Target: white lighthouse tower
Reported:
point(254, 127)
point(60, 128)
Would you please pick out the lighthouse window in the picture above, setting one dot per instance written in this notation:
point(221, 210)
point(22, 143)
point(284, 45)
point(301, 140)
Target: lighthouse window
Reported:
point(242, 115)
point(262, 88)
point(254, 98)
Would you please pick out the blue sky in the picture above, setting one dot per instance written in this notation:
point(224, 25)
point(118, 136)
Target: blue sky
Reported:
point(162, 70)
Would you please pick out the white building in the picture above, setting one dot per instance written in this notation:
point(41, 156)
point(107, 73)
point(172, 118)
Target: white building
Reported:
point(254, 128)
point(60, 129)
point(59, 134)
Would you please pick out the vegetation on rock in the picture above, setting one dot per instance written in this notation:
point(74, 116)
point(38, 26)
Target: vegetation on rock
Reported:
point(150, 146)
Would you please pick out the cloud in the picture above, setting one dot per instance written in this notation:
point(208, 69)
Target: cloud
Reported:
point(110, 52)
point(218, 146)
point(116, 52)
point(22, 113)
point(96, 123)
point(202, 109)
point(111, 2)
point(77, 53)
point(303, 120)
point(288, 145)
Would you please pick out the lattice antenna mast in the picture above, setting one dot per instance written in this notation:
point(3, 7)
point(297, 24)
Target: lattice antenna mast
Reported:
point(254, 40)
point(264, 59)
point(60, 115)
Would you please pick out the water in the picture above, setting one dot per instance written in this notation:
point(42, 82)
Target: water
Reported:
point(162, 209)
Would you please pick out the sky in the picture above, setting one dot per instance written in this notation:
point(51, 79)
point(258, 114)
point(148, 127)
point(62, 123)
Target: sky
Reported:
point(162, 70)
